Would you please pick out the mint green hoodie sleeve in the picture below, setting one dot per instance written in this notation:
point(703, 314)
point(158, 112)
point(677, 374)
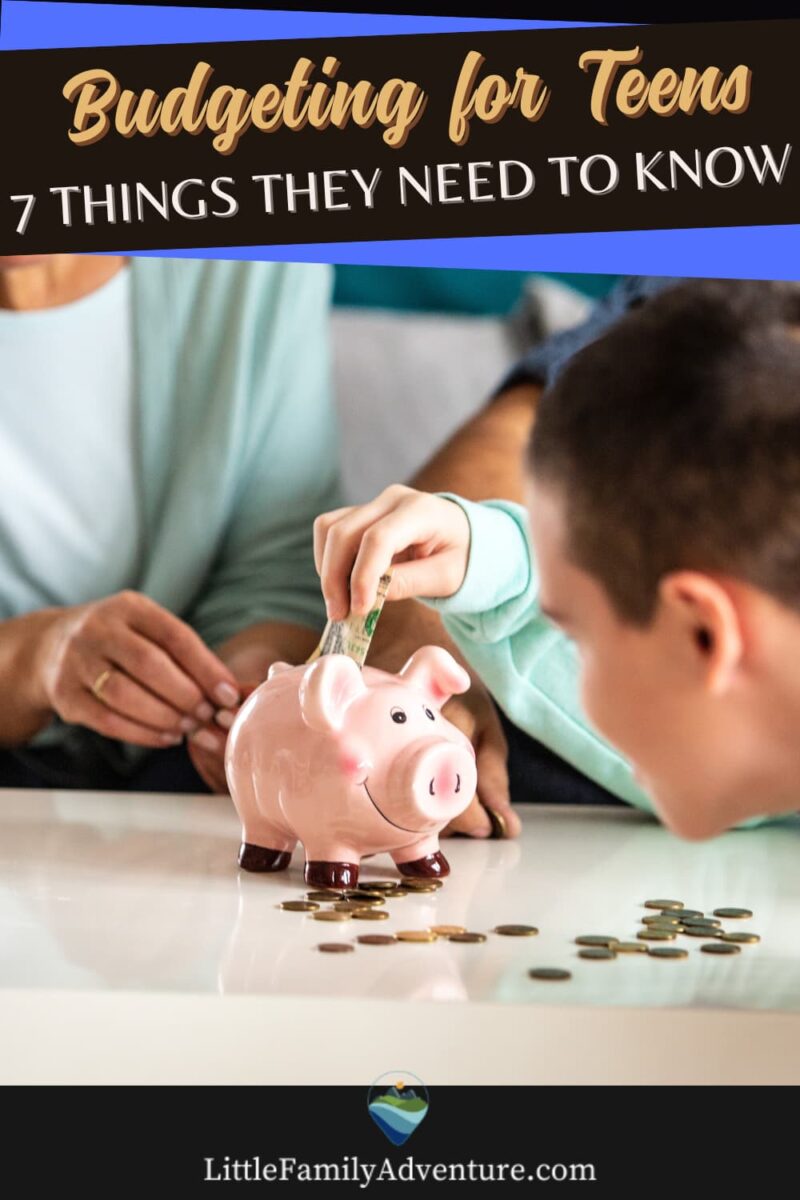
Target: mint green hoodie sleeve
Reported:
point(528, 665)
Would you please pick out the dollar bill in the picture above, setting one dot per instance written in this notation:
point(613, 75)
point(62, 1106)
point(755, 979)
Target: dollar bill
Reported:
point(352, 636)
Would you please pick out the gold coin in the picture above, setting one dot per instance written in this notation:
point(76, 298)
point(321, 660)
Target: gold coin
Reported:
point(330, 914)
point(377, 939)
point(472, 938)
point(370, 914)
point(734, 914)
point(596, 939)
point(652, 934)
point(335, 947)
point(352, 905)
point(661, 920)
point(299, 905)
point(743, 938)
point(721, 947)
point(597, 952)
point(709, 922)
point(415, 935)
point(420, 884)
point(516, 930)
point(629, 948)
point(551, 973)
point(667, 952)
point(706, 931)
point(381, 885)
point(447, 930)
point(669, 905)
point(686, 914)
point(364, 897)
point(324, 895)
point(497, 822)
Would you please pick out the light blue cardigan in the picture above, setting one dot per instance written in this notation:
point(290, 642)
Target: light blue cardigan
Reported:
point(237, 447)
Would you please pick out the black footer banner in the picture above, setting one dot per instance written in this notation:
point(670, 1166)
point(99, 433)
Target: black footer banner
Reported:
point(529, 1140)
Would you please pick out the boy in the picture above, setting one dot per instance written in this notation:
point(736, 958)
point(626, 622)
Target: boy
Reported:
point(662, 539)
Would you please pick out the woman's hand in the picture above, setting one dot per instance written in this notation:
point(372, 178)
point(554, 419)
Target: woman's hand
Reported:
point(207, 746)
point(249, 655)
point(130, 670)
point(426, 537)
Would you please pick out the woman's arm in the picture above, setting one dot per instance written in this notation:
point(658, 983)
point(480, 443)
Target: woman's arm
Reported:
point(25, 709)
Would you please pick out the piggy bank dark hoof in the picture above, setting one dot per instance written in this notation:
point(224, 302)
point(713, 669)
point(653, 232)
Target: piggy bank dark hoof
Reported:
point(331, 874)
point(432, 866)
point(261, 858)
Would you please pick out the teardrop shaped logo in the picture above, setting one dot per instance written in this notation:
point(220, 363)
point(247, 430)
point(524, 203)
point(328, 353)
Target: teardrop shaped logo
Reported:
point(398, 1104)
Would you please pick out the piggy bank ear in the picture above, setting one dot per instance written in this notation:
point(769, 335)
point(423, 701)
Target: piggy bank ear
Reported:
point(278, 668)
point(329, 687)
point(436, 673)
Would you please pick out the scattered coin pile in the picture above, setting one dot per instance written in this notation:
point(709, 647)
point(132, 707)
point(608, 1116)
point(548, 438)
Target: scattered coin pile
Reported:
point(368, 903)
point(664, 922)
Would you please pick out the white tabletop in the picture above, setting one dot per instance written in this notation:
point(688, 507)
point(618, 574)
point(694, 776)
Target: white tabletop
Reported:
point(132, 949)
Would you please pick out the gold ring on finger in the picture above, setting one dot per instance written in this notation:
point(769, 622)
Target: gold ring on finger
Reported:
point(100, 683)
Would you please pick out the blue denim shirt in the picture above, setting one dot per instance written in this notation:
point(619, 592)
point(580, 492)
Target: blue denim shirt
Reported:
point(546, 359)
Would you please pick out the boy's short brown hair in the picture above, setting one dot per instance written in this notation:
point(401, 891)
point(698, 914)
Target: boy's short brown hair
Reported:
point(674, 441)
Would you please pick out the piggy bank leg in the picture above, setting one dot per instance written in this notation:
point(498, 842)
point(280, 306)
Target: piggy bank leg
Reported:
point(264, 848)
point(263, 858)
point(423, 860)
point(341, 872)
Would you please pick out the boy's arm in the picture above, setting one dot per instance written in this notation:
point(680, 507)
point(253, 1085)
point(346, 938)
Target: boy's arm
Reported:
point(499, 594)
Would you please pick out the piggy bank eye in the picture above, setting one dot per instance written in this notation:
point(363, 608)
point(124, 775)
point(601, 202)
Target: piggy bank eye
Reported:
point(428, 713)
point(398, 716)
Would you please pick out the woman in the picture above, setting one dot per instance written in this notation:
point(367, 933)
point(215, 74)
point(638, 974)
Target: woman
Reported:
point(167, 439)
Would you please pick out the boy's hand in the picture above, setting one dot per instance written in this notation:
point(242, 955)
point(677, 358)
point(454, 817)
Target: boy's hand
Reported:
point(426, 537)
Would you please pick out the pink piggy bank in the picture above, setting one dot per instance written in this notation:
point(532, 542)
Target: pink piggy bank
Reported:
point(350, 762)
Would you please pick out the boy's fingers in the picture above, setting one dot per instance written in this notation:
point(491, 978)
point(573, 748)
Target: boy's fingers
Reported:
point(392, 535)
point(342, 541)
point(334, 576)
point(322, 526)
point(434, 576)
point(338, 555)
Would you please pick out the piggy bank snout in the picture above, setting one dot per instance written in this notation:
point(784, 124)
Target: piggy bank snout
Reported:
point(438, 781)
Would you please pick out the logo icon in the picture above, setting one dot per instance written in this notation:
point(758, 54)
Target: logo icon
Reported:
point(398, 1104)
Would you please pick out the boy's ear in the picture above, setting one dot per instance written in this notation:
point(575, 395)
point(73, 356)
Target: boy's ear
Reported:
point(711, 619)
